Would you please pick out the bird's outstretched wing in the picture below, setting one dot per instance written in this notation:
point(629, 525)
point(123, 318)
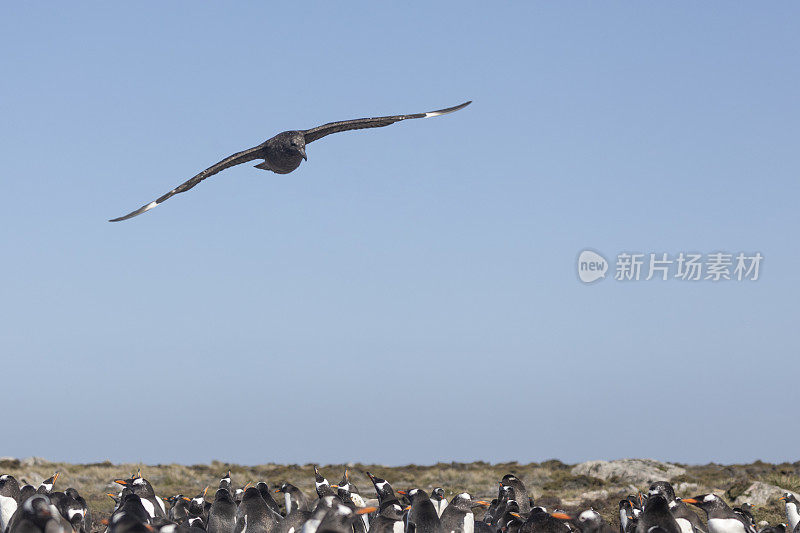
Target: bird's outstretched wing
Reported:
point(376, 122)
point(236, 159)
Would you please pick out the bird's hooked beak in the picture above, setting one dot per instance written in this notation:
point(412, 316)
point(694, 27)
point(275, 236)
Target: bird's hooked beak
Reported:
point(302, 151)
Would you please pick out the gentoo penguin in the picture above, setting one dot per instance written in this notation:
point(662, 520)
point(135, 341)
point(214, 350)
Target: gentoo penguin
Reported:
point(294, 520)
point(656, 513)
point(74, 508)
point(322, 507)
point(9, 499)
point(422, 517)
point(125, 523)
point(511, 521)
point(792, 510)
point(491, 511)
point(133, 506)
point(222, 514)
point(627, 520)
point(520, 492)
point(590, 521)
point(721, 518)
point(253, 515)
point(687, 519)
point(322, 485)
point(438, 500)
point(341, 518)
point(263, 488)
point(458, 517)
point(198, 506)
point(504, 496)
point(347, 485)
point(389, 519)
point(777, 528)
point(26, 491)
point(180, 507)
point(47, 485)
point(196, 524)
point(361, 523)
point(540, 521)
point(383, 489)
point(293, 498)
point(36, 515)
point(142, 488)
point(238, 493)
point(225, 482)
point(745, 511)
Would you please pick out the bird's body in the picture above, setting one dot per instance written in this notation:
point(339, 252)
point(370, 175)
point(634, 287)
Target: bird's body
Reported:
point(721, 518)
point(457, 517)
point(9, 499)
point(284, 152)
point(222, 515)
point(792, 510)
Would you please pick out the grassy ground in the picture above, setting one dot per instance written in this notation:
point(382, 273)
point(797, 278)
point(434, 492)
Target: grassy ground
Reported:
point(551, 482)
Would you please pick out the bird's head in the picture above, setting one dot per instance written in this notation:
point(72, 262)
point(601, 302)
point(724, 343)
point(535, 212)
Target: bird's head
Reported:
point(296, 143)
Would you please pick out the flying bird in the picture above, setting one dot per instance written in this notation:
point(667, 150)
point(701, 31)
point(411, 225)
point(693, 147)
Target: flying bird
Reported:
point(284, 152)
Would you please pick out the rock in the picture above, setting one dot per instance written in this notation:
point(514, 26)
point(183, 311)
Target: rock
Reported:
point(687, 490)
point(601, 494)
point(759, 493)
point(34, 461)
point(636, 471)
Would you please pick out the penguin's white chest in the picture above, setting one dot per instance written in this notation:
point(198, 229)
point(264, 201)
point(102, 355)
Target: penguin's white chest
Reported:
point(398, 527)
point(469, 523)
point(725, 525)
point(792, 516)
point(149, 507)
point(8, 506)
point(686, 526)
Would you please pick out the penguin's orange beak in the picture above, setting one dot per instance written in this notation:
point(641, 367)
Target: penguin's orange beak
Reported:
point(482, 502)
point(55, 477)
point(406, 508)
point(365, 510)
point(561, 516)
point(402, 492)
point(689, 500)
point(121, 481)
point(186, 498)
point(277, 491)
point(516, 515)
point(782, 498)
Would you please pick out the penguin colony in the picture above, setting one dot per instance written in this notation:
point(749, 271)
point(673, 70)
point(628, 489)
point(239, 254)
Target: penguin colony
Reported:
point(342, 509)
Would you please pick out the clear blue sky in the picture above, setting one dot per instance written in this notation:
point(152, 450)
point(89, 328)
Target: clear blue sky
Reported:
point(409, 294)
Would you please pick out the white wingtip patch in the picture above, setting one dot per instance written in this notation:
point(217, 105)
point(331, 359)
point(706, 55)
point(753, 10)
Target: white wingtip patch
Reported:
point(433, 114)
point(150, 206)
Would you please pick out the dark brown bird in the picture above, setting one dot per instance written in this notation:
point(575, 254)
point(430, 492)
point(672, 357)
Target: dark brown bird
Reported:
point(284, 152)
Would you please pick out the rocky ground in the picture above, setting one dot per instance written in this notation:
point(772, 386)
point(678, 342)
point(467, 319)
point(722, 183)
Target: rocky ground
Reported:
point(597, 484)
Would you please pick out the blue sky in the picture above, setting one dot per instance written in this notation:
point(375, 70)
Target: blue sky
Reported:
point(409, 294)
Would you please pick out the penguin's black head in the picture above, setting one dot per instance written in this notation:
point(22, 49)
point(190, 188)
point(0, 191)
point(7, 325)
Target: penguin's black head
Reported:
point(664, 488)
point(437, 494)
point(788, 497)
point(223, 495)
point(393, 511)
point(49, 483)
point(706, 501)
